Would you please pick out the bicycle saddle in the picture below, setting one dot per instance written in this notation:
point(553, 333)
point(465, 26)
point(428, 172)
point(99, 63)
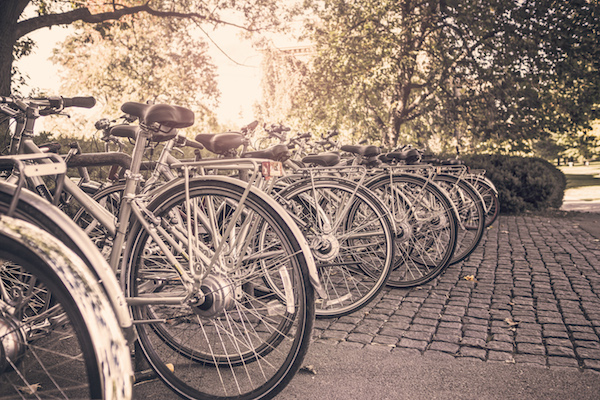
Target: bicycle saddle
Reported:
point(365, 151)
point(328, 159)
point(220, 143)
point(410, 155)
point(124, 130)
point(279, 152)
point(163, 114)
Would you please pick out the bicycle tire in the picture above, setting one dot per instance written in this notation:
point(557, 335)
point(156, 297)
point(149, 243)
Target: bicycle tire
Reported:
point(471, 212)
point(354, 259)
point(426, 227)
point(491, 200)
point(71, 347)
point(244, 342)
point(37, 211)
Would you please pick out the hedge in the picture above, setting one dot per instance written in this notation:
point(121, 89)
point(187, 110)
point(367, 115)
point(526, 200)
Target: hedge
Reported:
point(523, 183)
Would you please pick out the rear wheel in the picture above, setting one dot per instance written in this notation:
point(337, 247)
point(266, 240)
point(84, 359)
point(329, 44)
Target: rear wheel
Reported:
point(244, 341)
point(351, 237)
point(426, 227)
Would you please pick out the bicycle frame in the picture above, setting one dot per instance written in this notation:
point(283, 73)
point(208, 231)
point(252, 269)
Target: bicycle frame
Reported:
point(134, 204)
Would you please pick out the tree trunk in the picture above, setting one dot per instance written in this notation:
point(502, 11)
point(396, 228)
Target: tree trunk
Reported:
point(10, 11)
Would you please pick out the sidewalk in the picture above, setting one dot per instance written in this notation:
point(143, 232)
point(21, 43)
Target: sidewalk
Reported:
point(526, 327)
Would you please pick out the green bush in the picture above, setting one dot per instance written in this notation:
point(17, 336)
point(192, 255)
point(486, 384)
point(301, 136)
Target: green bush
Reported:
point(523, 183)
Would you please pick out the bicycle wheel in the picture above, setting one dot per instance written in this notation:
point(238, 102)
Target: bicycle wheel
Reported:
point(426, 227)
point(351, 238)
point(471, 213)
point(59, 337)
point(490, 198)
point(244, 341)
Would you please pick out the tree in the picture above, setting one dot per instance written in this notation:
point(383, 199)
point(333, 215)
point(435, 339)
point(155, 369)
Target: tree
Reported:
point(16, 24)
point(495, 73)
point(139, 58)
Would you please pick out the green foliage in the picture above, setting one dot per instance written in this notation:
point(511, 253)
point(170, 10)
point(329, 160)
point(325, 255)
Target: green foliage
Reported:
point(523, 183)
point(141, 58)
point(486, 74)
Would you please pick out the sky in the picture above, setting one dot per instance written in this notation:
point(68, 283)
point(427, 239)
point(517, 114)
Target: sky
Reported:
point(239, 80)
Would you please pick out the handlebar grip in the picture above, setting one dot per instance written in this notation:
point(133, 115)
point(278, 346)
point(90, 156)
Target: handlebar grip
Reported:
point(83, 102)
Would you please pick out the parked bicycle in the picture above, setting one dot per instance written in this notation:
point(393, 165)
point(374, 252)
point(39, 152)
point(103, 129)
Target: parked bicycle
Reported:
point(218, 277)
point(61, 326)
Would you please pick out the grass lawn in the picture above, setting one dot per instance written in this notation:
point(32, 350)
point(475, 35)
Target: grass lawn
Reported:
point(579, 176)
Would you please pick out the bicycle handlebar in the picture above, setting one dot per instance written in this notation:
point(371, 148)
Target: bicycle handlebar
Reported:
point(55, 103)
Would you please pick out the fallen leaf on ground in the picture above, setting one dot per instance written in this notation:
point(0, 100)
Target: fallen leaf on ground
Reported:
point(29, 390)
point(309, 368)
point(469, 278)
point(510, 322)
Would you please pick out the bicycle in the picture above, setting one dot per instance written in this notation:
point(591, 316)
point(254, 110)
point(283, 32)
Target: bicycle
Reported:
point(59, 334)
point(199, 281)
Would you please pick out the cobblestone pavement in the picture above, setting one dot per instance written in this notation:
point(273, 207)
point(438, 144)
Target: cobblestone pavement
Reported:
point(534, 299)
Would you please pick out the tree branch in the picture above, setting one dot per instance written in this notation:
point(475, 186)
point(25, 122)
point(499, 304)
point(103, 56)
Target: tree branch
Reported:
point(84, 15)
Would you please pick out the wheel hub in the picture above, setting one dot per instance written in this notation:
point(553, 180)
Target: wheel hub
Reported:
point(404, 231)
point(219, 296)
point(325, 248)
point(12, 342)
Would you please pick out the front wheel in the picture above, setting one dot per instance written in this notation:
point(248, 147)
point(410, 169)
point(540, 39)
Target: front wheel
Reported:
point(244, 341)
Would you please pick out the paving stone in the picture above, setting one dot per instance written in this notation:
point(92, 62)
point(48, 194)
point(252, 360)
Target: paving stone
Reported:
point(418, 335)
point(556, 334)
point(322, 323)
point(376, 317)
point(587, 353)
point(529, 339)
point(385, 340)
point(444, 347)
point(501, 356)
point(447, 338)
point(473, 342)
point(338, 326)
point(370, 329)
point(587, 344)
point(359, 338)
point(422, 328)
point(499, 346)
point(425, 321)
point(335, 335)
point(558, 342)
point(420, 345)
point(402, 325)
point(472, 352)
point(529, 348)
point(592, 364)
point(562, 351)
point(530, 359)
point(502, 337)
point(562, 362)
